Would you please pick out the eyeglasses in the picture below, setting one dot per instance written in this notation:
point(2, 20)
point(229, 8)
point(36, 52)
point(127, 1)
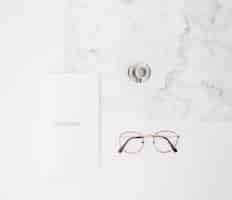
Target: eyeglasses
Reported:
point(164, 141)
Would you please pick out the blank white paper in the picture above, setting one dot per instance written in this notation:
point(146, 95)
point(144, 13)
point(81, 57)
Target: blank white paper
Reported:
point(65, 140)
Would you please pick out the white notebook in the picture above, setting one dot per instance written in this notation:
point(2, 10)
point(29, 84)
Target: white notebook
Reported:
point(65, 142)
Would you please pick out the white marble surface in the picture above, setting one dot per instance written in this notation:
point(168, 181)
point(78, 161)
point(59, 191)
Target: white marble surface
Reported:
point(187, 43)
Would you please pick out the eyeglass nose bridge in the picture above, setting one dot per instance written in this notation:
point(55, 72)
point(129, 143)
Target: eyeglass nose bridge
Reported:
point(148, 135)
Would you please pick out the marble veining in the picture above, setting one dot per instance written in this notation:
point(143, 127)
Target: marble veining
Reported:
point(187, 44)
point(200, 27)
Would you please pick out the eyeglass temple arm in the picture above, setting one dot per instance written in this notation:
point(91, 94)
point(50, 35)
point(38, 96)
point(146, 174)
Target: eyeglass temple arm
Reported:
point(127, 141)
point(169, 142)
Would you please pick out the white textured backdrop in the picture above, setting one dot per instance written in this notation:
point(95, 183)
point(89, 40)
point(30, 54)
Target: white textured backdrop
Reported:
point(188, 45)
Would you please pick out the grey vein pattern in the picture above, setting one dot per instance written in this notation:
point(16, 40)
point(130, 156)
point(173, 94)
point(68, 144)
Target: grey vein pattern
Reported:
point(187, 43)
